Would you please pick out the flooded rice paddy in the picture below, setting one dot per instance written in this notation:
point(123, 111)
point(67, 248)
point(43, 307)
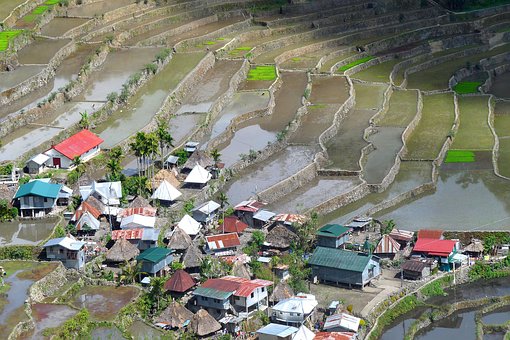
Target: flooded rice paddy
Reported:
point(41, 50)
point(141, 330)
point(387, 142)
point(59, 26)
point(48, 316)
point(26, 232)
point(499, 87)
point(97, 8)
point(19, 75)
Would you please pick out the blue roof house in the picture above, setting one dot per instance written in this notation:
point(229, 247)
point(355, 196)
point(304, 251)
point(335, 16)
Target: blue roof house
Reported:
point(37, 198)
point(155, 260)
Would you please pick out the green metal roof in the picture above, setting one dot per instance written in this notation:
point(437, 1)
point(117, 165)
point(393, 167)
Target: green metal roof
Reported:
point(339, 259)
point(212, 293)
point(332, 230)
point(154, 255)
point(38, 188)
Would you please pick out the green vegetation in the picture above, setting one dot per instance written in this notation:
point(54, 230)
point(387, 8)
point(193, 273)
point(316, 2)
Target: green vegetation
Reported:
point(264, 72)
point(39, 10)
point(474, 132)
point(6, 37)
point(484, 270)
point(355, 63)
point(19, 252)
point(460, 156)
point(465, 87)
point(240, 50)
point(436, 288)
point(369, 97)
point(378, 73)
point(402, 109)
point(437, 119)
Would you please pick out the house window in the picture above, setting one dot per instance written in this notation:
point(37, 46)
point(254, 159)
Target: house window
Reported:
point(45, 199)
point(298, 314)
point(252, 294)
point(204, 298)
point(263, 289)
point(61, 251)
point(216, 301)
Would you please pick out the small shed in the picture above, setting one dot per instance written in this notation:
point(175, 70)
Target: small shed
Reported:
point(246, 211)
point(175, 315)
point(191, 146)
point(280, 237)
point(417, 269)
point(38, 164)
point(166, 193)
point(137, 221)
point(122, 251)
point(332, 235)
point(206, 212)
point(154, 260)
point(262, 218)
point(342, 322)
point(403, 237)
point(431, 234)
point(387, 247)
point(165, 175)
point(282, 271)
point(475, 248)
point(179, 282)
point(360, 224)
point(198, 177)
point(202, 323)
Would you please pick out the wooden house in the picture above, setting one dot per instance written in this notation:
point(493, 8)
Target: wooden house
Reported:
point(332, 235)
point(37, 198)
point(67, 250)
point(206, 212)
point(416, 269)
point(387, 247)
point(155, 260)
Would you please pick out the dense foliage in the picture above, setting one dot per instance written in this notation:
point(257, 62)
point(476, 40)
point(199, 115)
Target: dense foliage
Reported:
point(485, 270)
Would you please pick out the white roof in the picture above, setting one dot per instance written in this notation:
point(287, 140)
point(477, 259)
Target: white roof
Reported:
point(166, 192)
point(208, 207)
point(110, 192)
point(343, 320)
point(40, 159)
point(88, 219)
point(198, 175)
point(189, 225)
point(65, 242)
point(303, 333)
point(137, 221)
point(301, 303)
point(263, 215)
point(172, 159)
point(277, 330)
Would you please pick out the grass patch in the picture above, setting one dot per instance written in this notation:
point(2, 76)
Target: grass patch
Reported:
point(265, 72)
point(460, 156)
point(210, 43)
point(295, 59)
point(51, 2)
point(355, 63)
point(402, 109)
point(39, 10)
point(436, 288)
point(474, 132)
point(6, 37)
point(465, 87)
point(378, 73)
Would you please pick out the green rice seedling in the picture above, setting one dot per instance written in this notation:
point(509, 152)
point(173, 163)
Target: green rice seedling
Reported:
point(465, 87)
point(460, 156)
point(355, 63)
point(6, 37)
point(263, 72)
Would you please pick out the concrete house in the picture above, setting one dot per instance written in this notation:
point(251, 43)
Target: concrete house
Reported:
point(37, 164)
point(231, 293)
point(345, 267)
point(222, 244)
point(442, 250)
point(247, 209)
point(332, 236)
point(67, 250)
point(142, 238)
point(109, 193)
point(206, 212)
point(37, 198)
point(83, 144)
point(155, 260)
point(295, 310)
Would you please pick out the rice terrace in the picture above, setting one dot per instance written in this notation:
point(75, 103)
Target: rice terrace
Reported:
point(184, 169)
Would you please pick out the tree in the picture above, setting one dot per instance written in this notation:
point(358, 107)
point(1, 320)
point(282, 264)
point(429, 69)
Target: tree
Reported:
point(389, 225)
point(306, 232)
point(115, 157)
point(216, 155)
point(130, 271)
point(78, 164)
point(212, 267)
point(138, 148)
point(165, 139)
point(223, 199)
point(157, 284)
point(84, 120)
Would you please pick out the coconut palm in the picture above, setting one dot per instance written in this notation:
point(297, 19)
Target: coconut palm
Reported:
point(164, 137)
point(114, 163)
point(151, 150)
point(216, 155)
point(130, 271)
point(84, 121)
point(157, 284)
point(138, 148)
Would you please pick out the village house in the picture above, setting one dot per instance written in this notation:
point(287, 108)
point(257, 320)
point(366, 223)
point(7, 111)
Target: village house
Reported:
point(280, 238)
point(443, 250)
point(37, 164)
point(234, 294)
point(86, 218)
point(387, 247)
point(360, 224)
point(189, 225)
point(176, 316)
point(109, 193)
point(178, 240)
point(332, 236)
point(281, 291)
point(232, 224)
point(335, 336)
point(37, 198)
point(342, 322)
point(200, 158)
point(121, 251)
point(344, 267)
point(142, 238)
point(166, 193)
point(180, 282)
point(294, 310)
point(83, 144)
point(155, 260)
point(246, 210)
point(137, 221)
point(67, 250)
point(206, 212)
point(417, 269)
point(222, 244)
point(403, 237)
point(275, 331)
point(262, 218)
point(192, 259)
point(198, 177)
point(435, 234)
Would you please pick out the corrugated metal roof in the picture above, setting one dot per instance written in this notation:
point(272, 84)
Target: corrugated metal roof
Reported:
point(78, 144)
point(387, 245)
point(212, 293)
point(154, 255)
point(222, 241)
point(143, 211)
point(250, 206)
point(128, 234)
point(263, 215)
point(333, 230)
point(414, 266)
point(38, 188)
point(232, 224)
point(277, 330)
point(339, 259)
point(402, 235)
point(434, 246)
point(430, 234)
point(343, 320)
point(335, 336)
point(236, 285)
point(290, 218)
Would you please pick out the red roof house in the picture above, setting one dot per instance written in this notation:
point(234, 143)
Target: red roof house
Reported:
point(249, 206)
point(232, 224)
point(179, 282)
point(387, 246)
point(335, 336)
point(83, 144)
point(435, 247)
point(223, 244)
point(430, 233)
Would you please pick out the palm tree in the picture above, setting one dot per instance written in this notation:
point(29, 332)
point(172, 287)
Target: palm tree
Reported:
point(157, 284)
point(137, 147)
point(78, 164)
point(223, 199)
point(215, 154)
point(152, 150)
point(164, 137)
point(84, 121)
point(114, 163)
point(130, 271)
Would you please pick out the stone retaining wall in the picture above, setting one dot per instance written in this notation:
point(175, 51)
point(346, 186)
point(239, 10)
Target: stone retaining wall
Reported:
point(20, 11)
point(48, 285)
point(342, 200)
point(40, 79)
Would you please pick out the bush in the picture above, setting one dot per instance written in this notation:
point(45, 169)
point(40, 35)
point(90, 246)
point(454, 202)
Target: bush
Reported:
point(19, 252)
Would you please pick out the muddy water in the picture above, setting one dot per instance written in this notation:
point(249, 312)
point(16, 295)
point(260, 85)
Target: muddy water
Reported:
point(19, 75)
point(314, 123)
point(41, 50)
point(119, 65)
point(147, 101)
point(59, 26)
point(27, 232)
point(33, 135)
point(214, 83)
point(269, 172)
point(6, 7)
point(12, 311)
point(456, 325)
point(140, 330)
point(67, 71)
point(97, 8)
point(402, 324)
point(500, 86)
point(48, 316)
point(182, 125)
point(308, 60)
point(314, 193)
point(478, 198)
point(387, 142)
point(497, 317)
point(242, 102)
point(255, 134)
point(102, 333)
point(410, 176)
point(329, 90)
point(103, 302)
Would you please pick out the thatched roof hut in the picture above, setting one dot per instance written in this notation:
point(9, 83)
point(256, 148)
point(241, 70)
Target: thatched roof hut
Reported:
point(139, 202)
point(475, 247)
point(240, 270)
point(281, 237)
point(199, 157)
point(203, 323)
point(121, 251)
point(282, 291)
point(179, 240)
point(166, 175)
point(175, 315)
point(193, 257)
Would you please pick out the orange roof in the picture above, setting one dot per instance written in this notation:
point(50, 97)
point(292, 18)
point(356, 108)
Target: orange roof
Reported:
point(128, 234)
point(334, 336)
point(232, 224)
point(78, 144)
point(222, 241)
point(144, 211)
point(240, 286)
point(84, 206)
point(430, 233)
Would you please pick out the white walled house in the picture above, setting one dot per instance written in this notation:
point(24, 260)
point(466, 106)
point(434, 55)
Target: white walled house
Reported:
point(83, 144)
point(295, 310)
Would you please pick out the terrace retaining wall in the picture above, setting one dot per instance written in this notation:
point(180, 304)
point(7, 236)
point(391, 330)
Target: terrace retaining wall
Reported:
point(48, 285)
point(20, 11)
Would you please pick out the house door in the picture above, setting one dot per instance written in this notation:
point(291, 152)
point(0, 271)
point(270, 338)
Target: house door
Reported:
point(56, 162)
